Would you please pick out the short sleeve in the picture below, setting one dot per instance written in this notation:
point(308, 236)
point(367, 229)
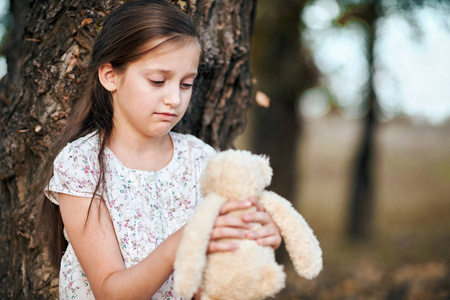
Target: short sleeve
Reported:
point(74, 173)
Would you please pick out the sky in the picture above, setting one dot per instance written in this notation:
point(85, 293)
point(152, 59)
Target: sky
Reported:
point(412, 65)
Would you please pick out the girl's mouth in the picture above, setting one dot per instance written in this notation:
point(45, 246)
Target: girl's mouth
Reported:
point(166, 116)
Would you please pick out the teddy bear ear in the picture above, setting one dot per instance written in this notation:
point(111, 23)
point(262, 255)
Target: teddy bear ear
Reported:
point(212, 172)
point(266, 169)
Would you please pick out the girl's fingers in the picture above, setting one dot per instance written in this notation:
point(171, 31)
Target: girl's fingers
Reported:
point(271, 241)
point(265, 231)
point(231, 221)
point(258, 217)
point(268, 234)
point(227, 233)
point(214, 246)
point(257, 204)
point(235, 205)
point(229, 226)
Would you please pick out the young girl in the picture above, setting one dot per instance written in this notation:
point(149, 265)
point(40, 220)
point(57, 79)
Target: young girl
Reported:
point(124, 183)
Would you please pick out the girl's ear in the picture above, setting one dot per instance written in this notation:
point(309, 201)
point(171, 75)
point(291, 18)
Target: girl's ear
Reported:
point(265, 168)
point(108, 77)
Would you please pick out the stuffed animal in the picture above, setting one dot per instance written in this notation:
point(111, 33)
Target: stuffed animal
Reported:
point(250, 272)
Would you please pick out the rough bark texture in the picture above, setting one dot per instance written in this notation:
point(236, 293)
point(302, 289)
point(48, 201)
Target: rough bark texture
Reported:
point(217, 113)
point(48, 58)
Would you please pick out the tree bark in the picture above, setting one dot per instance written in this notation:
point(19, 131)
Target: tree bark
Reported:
point(47, 67)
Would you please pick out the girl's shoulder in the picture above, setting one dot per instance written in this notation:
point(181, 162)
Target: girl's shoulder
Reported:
point(85, 146)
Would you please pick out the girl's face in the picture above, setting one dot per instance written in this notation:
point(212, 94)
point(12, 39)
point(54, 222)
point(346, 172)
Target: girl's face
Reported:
point(154, 92)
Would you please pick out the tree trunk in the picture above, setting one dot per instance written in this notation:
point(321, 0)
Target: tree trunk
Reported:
point(47, 67)
point(284, 69)
point(362, 197)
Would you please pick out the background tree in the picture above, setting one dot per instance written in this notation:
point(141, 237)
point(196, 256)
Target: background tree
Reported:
point(48, 52)
point(284, 70)
point(362, 197)
point(362, 193)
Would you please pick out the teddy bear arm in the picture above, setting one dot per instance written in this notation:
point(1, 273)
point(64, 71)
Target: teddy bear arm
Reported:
point(301, 243)
point(190, 258)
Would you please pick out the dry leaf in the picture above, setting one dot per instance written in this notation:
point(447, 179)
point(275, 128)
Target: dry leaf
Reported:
point(86, 21)
point(182, 4)
point(262, 99)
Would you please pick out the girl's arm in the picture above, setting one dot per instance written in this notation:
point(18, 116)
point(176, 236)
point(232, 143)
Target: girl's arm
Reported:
point(96, 247)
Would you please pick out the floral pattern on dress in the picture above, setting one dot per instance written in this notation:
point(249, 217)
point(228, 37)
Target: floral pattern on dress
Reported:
point(145, 207)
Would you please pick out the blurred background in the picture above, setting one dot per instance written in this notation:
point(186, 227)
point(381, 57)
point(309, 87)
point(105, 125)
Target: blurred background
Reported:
point(5, 23)
point(353, 108)
point(354, 112)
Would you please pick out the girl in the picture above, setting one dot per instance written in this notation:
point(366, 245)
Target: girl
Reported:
point(124, 183)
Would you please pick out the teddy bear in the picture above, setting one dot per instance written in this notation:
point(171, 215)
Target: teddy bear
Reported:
point(251, 272)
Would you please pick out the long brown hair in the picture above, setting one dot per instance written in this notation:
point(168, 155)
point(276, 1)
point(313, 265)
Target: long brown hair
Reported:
point(125, 34)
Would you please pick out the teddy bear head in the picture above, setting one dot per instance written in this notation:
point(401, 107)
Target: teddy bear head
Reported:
point(236, 175)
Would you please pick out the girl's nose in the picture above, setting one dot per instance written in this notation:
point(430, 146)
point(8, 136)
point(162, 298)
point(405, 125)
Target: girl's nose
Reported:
point(172, 97)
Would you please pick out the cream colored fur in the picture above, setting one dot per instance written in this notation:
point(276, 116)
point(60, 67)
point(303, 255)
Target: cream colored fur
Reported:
point(251, 272)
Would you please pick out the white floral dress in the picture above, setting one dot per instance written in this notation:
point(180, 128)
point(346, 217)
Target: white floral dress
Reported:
point(145, 207)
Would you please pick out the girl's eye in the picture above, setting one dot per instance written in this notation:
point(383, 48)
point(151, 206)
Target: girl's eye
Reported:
point(186, 86)
point(157, 82)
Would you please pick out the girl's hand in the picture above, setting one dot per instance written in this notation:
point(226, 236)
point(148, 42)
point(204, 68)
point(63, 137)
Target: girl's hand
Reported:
point(229, 226)
point(268, 234)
